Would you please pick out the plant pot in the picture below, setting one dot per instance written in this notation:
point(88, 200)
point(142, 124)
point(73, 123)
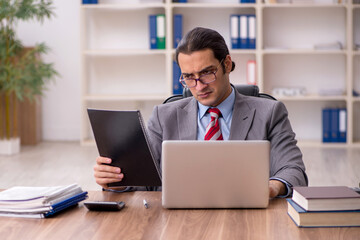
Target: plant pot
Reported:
point(30, 121)
point(9, 146)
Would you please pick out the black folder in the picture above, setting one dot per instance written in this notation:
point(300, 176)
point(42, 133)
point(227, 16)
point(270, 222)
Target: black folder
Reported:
point(121, 136)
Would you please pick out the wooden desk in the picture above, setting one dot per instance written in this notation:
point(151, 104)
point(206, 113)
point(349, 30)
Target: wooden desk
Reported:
point(136, 222)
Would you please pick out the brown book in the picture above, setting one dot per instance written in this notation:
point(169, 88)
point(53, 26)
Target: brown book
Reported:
point(331, 198)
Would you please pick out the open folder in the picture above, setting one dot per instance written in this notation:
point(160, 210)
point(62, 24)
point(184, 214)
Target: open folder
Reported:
point(121, 136)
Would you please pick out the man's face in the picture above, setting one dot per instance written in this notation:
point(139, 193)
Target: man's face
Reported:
point(202, 61)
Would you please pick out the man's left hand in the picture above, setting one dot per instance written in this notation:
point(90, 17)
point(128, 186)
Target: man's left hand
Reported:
point(276, 188)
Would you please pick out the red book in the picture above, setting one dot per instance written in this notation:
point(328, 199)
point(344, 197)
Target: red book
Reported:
point(251, 72)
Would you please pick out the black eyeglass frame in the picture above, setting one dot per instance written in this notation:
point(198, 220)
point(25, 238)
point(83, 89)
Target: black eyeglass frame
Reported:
point(182, 81)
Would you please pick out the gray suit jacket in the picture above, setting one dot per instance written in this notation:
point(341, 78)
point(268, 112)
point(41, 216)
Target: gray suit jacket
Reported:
point(253, 119)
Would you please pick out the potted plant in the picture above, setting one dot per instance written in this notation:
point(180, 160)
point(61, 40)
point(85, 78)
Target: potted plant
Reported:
point(22, 72)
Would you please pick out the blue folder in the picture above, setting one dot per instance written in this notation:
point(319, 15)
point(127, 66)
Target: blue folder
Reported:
point(177, 87)
point(251, 22)
point(326, 125)
point(152, 28)
point(243, 32)
point(234, 31)
point(334, 116)
point(89, 1)
point(177, 29)
point(72, 201)
point(342, 125)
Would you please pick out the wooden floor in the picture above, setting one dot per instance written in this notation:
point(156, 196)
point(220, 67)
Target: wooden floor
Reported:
point(61, 163)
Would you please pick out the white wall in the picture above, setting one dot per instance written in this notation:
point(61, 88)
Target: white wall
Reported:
point(61, 105)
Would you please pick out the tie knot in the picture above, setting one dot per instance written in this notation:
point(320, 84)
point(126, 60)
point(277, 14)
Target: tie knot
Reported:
point(214, 112)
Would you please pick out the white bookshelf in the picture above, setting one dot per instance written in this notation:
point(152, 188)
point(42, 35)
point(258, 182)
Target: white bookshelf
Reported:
point(119, 71)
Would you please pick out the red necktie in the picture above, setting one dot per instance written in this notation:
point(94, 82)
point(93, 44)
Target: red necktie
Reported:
point(213, 129)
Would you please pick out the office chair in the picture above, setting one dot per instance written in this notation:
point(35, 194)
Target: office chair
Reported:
point(248, 90)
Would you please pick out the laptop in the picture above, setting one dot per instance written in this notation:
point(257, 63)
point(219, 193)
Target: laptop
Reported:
point(215, 174)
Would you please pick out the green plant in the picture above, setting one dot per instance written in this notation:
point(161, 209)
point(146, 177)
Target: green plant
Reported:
point(22, 72)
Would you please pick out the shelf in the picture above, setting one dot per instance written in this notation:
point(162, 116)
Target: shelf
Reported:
point(309, 143)
point(123, 7)
point(242, 51)
point(302, 51)
point(119, 71)
point(355, 145)
point(312, 98)
point(303, 5)
point(88, 142)
point(125, 97)
point(122, 52)
point(213, 5)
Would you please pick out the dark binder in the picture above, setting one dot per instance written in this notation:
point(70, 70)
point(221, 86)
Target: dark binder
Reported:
point(152, 31)
point(177, 87)
point(121, 136)
point(326, 125)
point(67, 203)
point(178, 22)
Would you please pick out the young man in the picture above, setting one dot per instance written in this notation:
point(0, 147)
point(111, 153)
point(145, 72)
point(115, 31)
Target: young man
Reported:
point(205, 63)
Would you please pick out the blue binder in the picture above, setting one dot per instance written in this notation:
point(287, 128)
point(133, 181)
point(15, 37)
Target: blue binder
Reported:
point(234, 31)
point(177, 87)
point(58, 207)
point(326, 125)
point(342, 124)
point(152, 28)
point(251, 20)
point(177, 29)
point(89, 1)
point(243, 32)
point(334, 116)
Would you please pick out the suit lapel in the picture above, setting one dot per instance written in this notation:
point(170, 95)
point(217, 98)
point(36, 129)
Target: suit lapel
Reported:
point(242, 119)
point(187, 121)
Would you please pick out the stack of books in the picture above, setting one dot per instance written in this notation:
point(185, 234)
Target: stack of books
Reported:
point(39, 202)
point(337, 206)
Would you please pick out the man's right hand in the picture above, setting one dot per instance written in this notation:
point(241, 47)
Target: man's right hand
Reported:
point(105, 174)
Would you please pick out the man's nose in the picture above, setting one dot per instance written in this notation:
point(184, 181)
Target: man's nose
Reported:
point(200, 85)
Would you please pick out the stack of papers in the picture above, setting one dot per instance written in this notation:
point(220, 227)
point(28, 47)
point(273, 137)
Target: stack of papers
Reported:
point(39, 202)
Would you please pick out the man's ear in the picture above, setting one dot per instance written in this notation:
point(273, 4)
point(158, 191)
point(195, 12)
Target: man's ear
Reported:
point(228, 64)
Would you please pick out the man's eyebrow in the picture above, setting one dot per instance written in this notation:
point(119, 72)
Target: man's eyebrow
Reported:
point(202, 70)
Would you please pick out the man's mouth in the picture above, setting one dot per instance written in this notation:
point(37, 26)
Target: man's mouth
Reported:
point(203, 95)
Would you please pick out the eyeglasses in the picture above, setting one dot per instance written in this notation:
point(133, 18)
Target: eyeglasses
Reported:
point(205, 78)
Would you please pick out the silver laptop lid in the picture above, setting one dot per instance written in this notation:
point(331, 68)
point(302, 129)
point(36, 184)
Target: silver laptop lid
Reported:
point(215, 174)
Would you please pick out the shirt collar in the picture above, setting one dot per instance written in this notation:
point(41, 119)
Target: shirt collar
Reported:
point(225, 107)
